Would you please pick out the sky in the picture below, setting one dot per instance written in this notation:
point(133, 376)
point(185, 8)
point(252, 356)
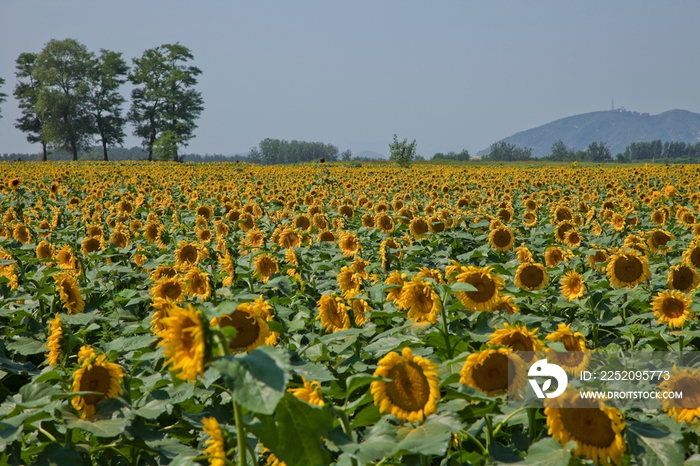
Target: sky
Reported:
point(451, 74)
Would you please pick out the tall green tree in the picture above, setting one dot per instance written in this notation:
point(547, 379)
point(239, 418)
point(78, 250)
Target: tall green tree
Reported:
point(64, 68)
point(108, 73)
point(502, 151)
point(165, 104)
point(27, 93)
point(402, 152)
point(3, 96)
point(598, 152)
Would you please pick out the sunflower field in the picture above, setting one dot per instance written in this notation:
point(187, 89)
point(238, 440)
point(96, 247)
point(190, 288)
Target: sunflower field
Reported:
point(233, 314)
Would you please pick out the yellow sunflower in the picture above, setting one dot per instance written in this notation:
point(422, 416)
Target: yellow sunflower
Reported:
point(418, 227)
point(691, 256)
point(65, 258)
point(398, 279)
point(572, 285)
point(495, 371)
point(686, 381)
point(265, 266)
point(658, 239)
point(349, 244)
point(189, 254)
point(216, 446)
point(488, 286)
point(44, 250)
point(577, 357)
point(519, 338)
point(198, 283)
point(501, 238)
point(168, 288)
point(22, 234)
point(185, 341)
point(54, 341)
point(671, 307)
point(96, 375)
point(555, 255)
point(683, 278)
point(360, 309)
point(507, 303)
point(333, 313)
point(420, 300)
point(595, 427)
point(249, 320)
point(595, 261)
point(310, 392)
point(531, 276)
point(627, 269)
point(92, 244)
point(414, 390)
point(524, 254)
point(228, 267)
point(68, 289)
point(350, 282)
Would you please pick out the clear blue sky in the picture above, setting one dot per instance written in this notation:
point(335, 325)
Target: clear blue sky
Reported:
point(451, 74)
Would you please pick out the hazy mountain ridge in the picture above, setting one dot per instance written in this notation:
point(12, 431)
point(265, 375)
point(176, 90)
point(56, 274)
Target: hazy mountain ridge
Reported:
point(617, 128)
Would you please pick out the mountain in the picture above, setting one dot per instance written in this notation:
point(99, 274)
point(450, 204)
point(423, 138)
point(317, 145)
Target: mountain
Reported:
point(616, 128)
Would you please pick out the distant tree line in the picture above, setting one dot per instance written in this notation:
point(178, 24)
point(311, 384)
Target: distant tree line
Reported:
point(70, 99)
point(507, 152)
point(462, 156)
point(658, 150)
point(278, 151)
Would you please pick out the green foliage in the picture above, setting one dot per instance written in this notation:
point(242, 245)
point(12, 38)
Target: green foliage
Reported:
point(506, 152)
point(562, 153)
point(598, 152)
point(3, 96)
point(346, 156)
point(165, 104)
point(27, 93)
point(402, 153)
point(107, 75)
point(462, 156)
point(277, 151)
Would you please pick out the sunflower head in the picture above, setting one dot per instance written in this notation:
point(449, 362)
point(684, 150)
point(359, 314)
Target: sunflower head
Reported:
point(495, 371)
point(627, 269)
point(576, 357)
point(501, 238)
point(349, 244)
point(420, 300)
point(686, 381)
point(531, 276)
point(187, 341)
point(683, 278)
point(265, 266)
point(250, 321)
point(413, 392)
point(488, 286)
point(216, 443)
point(596, 428)
point(672, 307)
point(518, 338)
point(309, 392)
point(68, 289)
point(56, 340)
point(572, 285)
point(96, 375)
point(333, 313)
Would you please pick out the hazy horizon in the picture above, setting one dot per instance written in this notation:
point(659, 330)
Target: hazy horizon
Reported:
point(451, 75)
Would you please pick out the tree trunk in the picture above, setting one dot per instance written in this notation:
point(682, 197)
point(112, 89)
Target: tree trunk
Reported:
point(74, 149)
point(104, 150)
point(43, 150)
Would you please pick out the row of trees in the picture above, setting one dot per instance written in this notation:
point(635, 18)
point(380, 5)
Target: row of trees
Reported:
point(70, 98)
point(656, 149)
point(277, 151)
point(462, 156)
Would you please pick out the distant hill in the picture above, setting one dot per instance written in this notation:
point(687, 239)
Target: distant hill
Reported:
point(617, 128)
point(370, 155)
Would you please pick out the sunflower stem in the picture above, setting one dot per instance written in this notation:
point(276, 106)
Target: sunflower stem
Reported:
point(444, 327)
point(532, 423)
point(504, 421)
point(489, 430)
point(240, 433)
point(484, 451)
point(345, 422)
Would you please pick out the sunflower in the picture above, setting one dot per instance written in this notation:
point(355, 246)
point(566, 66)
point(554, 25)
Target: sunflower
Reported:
point(250, 321)
point(507, 303)
point(349, 244)
point(524, 254)
point(216, 446)
point(517, 337)
point(627, 269)
point(198, 283)
point(289, 238)
point(395, 278)
point(682, 278)
point(326, 237)
point(333, 313)
point(595, 260)
point(168, 288)
point(68, 289)
point(349, 281)
point(22, 234)
point(495, 371)
point(691, 256)
point(577, 357)
point(120, 237)
point(687, 382)
point(596, 428)
point(488, 287)
point(572, 285)
point(96, 375)
point(529, 219)
point(671, 307)
point(435, 274)
point(360, 309)
point(418, 227)
point(414, 390)
point(501, 238)
point(255, 238)
point(420, 300)
point(658, 217)
point(189, 254)
point(562, 229)
point(92, 244)
point(184, 337)
point(531, 276)
point(385, 249)
point(65, 258)
point(310, 392)
point(555, 255)
point(55, 340)
point(658, 239)
point(44, 250)
point(163, 271)
point(573, 238)
point(204, 234)
point(228, 267)
point(384, 223)
point(265, 266)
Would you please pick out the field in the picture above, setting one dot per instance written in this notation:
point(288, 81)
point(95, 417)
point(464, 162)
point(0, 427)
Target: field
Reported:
point(155, 313)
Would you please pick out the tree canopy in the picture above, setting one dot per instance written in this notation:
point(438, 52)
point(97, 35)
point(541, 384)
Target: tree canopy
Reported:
point(402, 152)
point(3, 96)
point(27, 93)
point(278, 151)
point(507, 152)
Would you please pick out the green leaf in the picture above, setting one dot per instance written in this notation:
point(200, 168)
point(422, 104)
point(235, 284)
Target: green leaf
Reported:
point(124, 344)
point(257, 381)
point(380, 442)
point(36, 394)
point(26, 346)
point(108, 421)
point(459, 286)
point(430, 438)
point(282, 284)
point(549, 452)
point(653, 445)
point(56, 455)
point(360, 380)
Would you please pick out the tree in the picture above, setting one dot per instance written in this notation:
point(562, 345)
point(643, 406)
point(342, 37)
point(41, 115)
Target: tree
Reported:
point(165, 105)
point(561, 153)
point(107, 75)
point(346, 156)
point(462, 156)
point(63, 68)
point(27, 93)
point(402, 153)
point(3, 97)
point(507, 152)
point(598, 152)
